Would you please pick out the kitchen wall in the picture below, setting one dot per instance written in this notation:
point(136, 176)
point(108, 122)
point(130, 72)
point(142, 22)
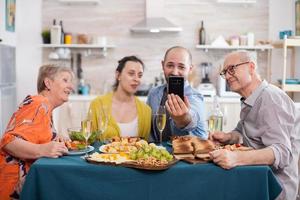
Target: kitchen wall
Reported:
point(114, 18)
point(7, 37)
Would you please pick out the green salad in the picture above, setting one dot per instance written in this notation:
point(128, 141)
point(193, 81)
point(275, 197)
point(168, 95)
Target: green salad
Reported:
point(78, 136)
point(146, 151)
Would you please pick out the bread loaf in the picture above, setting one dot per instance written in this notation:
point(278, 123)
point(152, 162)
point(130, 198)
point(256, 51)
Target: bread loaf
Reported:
point(191, 144)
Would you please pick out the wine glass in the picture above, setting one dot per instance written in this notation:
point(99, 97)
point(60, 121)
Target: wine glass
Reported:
point(102, 119)
point(160, 121)
point(86, 127)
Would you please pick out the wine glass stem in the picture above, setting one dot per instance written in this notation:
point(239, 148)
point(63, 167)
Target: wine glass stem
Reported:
point(86, 146)
point(160, 137)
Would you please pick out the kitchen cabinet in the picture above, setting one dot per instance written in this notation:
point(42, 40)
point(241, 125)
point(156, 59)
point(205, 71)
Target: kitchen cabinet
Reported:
point(289, 43)
point(71, 113)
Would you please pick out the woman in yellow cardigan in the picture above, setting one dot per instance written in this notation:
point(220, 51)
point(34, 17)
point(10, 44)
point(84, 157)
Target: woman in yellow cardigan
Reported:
point(127, 115)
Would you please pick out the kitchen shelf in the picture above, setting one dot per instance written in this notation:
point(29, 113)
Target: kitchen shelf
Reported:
point(80, 2)
point(85, 47)
point(289, 42)
point(291, 88)
point(257, 47)
point(78, 46)
point(237, 1)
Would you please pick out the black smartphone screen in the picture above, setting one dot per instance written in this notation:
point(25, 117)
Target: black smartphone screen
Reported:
point(176, 85)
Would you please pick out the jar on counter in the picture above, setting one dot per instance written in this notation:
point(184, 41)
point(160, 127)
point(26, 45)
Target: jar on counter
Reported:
point(68, 38)
point(250, 39)
point(243, 40)
point(235, 41)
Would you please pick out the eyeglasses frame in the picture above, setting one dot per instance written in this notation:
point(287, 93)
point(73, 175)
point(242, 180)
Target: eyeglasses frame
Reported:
point(231, 68)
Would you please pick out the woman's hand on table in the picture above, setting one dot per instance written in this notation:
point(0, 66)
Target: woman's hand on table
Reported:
point(53, 149)
point(60, 138)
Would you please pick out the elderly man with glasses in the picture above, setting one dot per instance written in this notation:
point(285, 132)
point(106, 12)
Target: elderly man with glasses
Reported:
point(269, 123)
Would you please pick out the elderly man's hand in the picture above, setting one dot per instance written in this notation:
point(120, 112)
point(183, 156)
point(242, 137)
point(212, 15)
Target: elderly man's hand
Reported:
point(225, 158)
point(179, 110)
point(219, 137)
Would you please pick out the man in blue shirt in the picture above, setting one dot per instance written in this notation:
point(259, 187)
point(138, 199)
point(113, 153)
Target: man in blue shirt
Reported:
point(183, 117)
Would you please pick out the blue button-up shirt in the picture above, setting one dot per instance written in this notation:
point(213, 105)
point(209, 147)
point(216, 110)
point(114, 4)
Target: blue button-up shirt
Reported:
point(197, 126)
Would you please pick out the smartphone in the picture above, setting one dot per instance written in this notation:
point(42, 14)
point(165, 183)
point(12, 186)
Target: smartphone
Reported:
point(176, 85)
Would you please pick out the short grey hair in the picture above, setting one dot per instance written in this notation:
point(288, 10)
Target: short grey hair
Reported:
point(49, 71)
point(245, 56)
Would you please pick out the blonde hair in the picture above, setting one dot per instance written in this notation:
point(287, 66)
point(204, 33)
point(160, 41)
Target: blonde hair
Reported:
point(49, 71)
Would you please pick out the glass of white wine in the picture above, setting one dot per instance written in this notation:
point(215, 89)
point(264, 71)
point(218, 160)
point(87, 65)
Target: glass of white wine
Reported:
point(160, 121)
point(86, 127)
point(102, 119)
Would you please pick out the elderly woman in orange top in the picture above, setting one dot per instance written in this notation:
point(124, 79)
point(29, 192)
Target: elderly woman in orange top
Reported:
point(30, 133)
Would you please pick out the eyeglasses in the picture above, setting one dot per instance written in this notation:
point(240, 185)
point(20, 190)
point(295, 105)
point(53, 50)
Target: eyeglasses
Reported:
point(231, 69)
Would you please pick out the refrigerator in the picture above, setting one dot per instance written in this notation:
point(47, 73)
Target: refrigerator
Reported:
point(8, 92)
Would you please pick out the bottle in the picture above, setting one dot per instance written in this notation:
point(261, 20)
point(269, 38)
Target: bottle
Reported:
point(62, 40)
point(215, 121)
point(55, 33)
point(202, 34)
point(83, 88)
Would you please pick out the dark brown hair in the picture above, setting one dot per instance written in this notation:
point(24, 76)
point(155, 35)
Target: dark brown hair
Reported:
point(121, 65)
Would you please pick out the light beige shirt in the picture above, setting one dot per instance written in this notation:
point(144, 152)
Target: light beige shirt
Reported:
point(269, 118)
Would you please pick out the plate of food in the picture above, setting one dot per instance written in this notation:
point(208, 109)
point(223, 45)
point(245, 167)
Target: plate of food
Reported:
point(77, 144)
point(124, 145)
point(76, 152)
point(108, 158)
point(144, 156)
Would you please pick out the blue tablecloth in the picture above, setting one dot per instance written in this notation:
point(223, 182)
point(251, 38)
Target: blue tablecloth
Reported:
point(71, 177)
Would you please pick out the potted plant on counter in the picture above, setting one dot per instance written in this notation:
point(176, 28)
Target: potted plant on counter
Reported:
point(46, 36)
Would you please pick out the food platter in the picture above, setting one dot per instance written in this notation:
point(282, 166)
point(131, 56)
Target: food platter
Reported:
point(80, 152)
point(122, 145)
point(119, 161)
point(150, 167)
point(115, 148)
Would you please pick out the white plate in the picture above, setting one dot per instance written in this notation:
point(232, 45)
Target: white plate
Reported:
point(81, 152)
point(103, 148)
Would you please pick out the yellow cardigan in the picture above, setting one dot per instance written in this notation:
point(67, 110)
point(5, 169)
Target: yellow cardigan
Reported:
point(143, 112)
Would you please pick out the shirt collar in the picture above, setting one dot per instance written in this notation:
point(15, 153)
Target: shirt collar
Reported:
point(255, 94)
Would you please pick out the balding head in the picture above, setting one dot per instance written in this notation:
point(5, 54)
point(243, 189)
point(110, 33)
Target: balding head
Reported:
point(180, 48)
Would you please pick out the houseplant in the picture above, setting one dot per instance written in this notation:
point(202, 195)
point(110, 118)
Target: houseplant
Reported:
point(46, 36)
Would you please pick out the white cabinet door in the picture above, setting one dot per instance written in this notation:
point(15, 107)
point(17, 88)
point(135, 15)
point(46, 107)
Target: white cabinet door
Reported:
point(70, 115)
point(231, 113)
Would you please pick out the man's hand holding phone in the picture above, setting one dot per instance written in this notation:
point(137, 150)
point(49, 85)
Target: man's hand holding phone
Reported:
point(177, 104)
